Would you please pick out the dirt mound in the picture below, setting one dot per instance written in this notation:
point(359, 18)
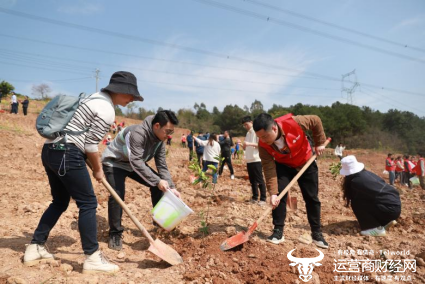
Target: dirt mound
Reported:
point(25, 195)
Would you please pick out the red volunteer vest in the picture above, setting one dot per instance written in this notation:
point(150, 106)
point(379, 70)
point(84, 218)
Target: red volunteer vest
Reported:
point(391, 168)
point(397, 169)
point(418, 167)
point(296, 140)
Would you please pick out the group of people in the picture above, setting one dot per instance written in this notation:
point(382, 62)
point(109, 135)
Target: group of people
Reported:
point(275, 151)
point(14, 104)
point(403, 168)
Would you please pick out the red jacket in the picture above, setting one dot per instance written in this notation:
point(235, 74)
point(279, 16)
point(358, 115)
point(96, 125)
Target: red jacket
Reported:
point(398, 169)
point(418, 168)
point(296, 140)
point(392, 166)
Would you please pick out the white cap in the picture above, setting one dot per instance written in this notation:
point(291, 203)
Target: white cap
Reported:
point(350, 166)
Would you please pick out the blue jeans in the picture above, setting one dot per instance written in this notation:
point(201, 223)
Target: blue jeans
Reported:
point(68, 177)
point(205, 167)
point(391, 177)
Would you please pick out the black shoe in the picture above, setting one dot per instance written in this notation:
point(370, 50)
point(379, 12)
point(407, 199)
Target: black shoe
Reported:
point(115, 242)
point(276, 237)
point(318, 239)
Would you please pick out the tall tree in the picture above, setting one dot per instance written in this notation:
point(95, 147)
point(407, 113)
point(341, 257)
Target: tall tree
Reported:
point(41, 90)
point(6, 87)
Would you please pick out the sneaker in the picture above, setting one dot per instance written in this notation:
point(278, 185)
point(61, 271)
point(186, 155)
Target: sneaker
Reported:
point(97, 263)
point(232, 177)
point(276, 237)
point(35, 253)
point(115, 242)
point(375, 232)
point(390, 224)
point(262, 203)
point(318, 239)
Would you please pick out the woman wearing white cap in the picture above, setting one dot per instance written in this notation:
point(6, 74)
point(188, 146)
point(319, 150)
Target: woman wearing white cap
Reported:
point(375, 203)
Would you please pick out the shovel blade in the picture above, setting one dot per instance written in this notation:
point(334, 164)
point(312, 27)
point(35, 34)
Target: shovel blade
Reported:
point(238, 239)
point(165, 252)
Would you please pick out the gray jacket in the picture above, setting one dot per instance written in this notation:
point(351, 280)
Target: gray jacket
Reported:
point(133, 147)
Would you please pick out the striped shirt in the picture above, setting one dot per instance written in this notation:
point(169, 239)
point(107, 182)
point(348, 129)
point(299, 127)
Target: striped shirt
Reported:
point(95, 114)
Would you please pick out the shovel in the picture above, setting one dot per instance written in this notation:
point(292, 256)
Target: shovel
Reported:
point(157, 247)
point(242, 236)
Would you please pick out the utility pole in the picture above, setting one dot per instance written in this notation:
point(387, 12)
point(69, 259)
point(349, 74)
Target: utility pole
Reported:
point(351, 81)
point(97, 78)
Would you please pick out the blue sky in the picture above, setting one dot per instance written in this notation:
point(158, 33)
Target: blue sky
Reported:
point(221, 52)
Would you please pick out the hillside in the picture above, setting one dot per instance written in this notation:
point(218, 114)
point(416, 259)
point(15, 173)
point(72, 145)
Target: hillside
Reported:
point(25, 195)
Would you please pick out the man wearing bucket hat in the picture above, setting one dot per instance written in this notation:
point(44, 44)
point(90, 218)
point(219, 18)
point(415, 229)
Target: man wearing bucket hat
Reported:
point(128, 155)
point(375, 203)
point(65, 166)
point(284, 149)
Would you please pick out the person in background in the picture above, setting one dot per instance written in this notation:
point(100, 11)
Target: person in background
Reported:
point(254, 165)
point(183, 141)
point(339, 150)
point(399, 169)
point(407, 171)
point(420, 169)
point(237, 149)
point(25, 104)
point(1, 95)
point(190, 143)
point(284, 149)
point(128, 156)
point(211, 151)
point(114, 127)
point(64, 160)
point(376, 204)
point(225, 144)
point(13, 104)
point(169, 140)
point(390, 167)
point(199, 149)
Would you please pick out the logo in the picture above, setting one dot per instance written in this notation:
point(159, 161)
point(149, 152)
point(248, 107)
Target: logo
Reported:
point(305, 265)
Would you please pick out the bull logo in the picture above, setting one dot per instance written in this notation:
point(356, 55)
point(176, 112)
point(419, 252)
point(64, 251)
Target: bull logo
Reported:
point(305, 265)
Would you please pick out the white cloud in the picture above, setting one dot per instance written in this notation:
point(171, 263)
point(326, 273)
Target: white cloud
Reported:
point(235, 82)
point(86, 7)
point(8, 3)
point(408, 23)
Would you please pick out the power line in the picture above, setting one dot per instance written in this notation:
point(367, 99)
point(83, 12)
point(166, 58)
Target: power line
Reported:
point(305, 29)
point(276, 8)
point(48, 80)
point(38, 67)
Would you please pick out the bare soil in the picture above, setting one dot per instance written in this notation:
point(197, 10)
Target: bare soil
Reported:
point(25, 194)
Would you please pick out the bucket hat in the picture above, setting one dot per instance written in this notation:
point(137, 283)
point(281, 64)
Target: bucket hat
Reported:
point(350, 166)
point(123, 82)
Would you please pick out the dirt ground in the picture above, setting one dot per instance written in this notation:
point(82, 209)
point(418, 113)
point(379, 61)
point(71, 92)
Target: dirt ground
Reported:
point(25, 195)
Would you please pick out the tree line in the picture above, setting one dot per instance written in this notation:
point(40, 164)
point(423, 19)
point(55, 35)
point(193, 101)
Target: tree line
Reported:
point(356, 127)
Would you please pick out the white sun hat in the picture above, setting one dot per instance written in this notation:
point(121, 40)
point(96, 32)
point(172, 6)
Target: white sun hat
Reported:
point(350, 166)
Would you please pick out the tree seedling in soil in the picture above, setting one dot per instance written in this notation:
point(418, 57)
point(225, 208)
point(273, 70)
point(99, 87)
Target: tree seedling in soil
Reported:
point(335, 169)
point(202, 178)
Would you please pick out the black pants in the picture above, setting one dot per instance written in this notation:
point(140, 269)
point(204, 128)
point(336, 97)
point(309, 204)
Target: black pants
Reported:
point(256, 180)
point(228, 161)
point(200, 159)
point(370, 215)
point(25, 109)
point(407, 176)
point(116, 177)
point(191, 153)
point(308, 183)
point(69, 178)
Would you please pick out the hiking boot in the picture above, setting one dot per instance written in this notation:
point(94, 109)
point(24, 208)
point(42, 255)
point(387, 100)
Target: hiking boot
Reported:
point(97, 263)
point(375, 232)
point(318, 239)
point(232, 177)
point(390, 224)
point(115, 242)
point(276, 237)
point(35, 253)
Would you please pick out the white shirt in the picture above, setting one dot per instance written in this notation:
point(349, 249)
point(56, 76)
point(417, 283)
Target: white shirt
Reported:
point(339, 150)
point(210, 152)
point(252, 153)
point(14, 101)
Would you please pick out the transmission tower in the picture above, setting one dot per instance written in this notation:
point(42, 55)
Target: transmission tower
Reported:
point(349, 84)
point(97, 78)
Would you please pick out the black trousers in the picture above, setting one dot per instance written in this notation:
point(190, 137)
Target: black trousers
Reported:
point(308, 183)
point(228, 161)
point(370, 215)
point(256, 180)
point(116, 177)
point(200, 159)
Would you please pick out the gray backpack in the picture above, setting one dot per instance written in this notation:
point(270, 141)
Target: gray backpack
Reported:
point(55, 116)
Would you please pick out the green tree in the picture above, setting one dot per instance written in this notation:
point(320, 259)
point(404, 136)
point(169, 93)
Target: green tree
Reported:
point(256, 108)
point(6, 87)
point(231, 119)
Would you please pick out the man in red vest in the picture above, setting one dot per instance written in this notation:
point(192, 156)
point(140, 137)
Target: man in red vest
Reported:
point(390, 167)
point(283, 150)
point(420, 169)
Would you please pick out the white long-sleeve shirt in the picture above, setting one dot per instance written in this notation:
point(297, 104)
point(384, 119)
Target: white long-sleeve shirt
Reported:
point(210, 152)
point(252, 153)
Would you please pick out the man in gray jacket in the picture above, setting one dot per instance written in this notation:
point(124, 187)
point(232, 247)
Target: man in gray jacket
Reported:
point(128, 155)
